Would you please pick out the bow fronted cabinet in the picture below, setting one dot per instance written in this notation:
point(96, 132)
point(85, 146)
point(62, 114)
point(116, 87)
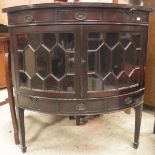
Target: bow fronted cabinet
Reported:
point(78, 59)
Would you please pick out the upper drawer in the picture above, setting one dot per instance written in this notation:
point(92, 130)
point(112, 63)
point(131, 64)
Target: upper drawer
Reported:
point(77, 15)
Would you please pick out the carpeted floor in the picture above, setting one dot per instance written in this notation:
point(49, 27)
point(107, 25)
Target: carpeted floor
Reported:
point(110, 134)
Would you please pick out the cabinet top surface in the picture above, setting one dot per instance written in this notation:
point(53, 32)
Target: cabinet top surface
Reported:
point(75, 5)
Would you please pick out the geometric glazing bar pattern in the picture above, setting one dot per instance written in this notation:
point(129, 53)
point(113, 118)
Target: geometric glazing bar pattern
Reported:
point(113, 60)
point(46, 61)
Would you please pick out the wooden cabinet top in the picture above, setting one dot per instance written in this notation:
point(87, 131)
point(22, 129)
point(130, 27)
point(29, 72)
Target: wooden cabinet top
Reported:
point(75, 5)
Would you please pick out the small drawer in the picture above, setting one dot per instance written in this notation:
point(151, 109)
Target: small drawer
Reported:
point(118, 103)
point(38, 104)
point(32, 16)
point(79, 15)
point(125, 16)
point(82, 107)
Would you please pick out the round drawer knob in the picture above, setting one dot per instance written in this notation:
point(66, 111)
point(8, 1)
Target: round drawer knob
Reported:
point(128, 100)
point(80, 16)
point(33, 100)
point(28, 18)
point(81, 107)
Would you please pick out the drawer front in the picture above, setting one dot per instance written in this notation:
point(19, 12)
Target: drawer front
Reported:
point(82, 107)
point(76, 15)
point(32, 16)
point(38, 104)
point(78, 107)
point(79, 15)
point(123, 102)
point(125, 16)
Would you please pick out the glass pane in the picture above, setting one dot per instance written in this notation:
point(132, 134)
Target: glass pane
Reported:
point(49, 39)
point(94, 83)
point(67, 84)
point(70, 63)
point(21, 41)
point(42, 61)
point(23, 79)
point(58, 62)
point(36, 82)
point(91, 61)
point(125, 39)
point(51, 83)
point(94, 40)
point(136, 40)
point(67, 41)
point(130, 59)
point(104, 56)
point(110, 82)
point(29, 61)
point(118, 59)
point(112, 38)
point(134, 77)
point(20, 60)
point(123, 80)
point(34, 39)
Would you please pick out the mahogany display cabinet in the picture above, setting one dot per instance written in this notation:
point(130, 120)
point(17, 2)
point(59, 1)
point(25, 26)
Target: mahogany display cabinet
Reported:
point(78, 59)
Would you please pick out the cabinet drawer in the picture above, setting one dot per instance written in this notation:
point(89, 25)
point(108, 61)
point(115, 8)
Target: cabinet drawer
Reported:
point(118, 103)
point(38, 104)
point(32, 16)
point(125, 16)
point(79, 15)
point(82, 107)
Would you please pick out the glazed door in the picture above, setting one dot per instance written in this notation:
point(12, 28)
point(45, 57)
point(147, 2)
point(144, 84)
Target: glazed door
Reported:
point(114, 57)
point(45, 60)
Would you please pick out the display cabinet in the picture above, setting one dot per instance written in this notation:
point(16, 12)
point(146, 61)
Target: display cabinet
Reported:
point(78, 59)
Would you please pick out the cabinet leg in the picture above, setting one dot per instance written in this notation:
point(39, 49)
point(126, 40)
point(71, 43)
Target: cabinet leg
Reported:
point(154, 127)
point(20, 116)
point(138, 116)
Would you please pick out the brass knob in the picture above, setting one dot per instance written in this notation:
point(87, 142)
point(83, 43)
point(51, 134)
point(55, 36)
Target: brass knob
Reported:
point(28, 18)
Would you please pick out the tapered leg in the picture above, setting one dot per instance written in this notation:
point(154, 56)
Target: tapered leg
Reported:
point(138, 116)
point(154, 125)
point(10, 96)
point(21, 126)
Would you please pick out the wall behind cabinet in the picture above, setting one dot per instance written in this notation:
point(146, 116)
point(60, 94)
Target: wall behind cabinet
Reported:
point(149, 97)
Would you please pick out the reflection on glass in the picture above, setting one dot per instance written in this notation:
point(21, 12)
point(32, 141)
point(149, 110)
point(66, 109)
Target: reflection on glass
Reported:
point(67, 41)
point(130, 59)
point(112, 38)
point(23, 79)
point(110, 82)
point(51, 84)
point(125, 38)
point(49, 39)
point(36, 82)
point(136, 40)
point(20, 60)
point(123, 80)
point(94, 83)
point(29, 61)
point(134, 77)
point(58, 62)
point(42, 62)
point(91, 61)
point(104, 57)
point(67, 84)
point(21, 41)
point(94, 40)
point(117, 60)
point(34, 39)
point(70, 63)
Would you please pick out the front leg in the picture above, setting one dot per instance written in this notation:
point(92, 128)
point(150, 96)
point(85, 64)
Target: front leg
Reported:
point(21, 126)
point(138, 116)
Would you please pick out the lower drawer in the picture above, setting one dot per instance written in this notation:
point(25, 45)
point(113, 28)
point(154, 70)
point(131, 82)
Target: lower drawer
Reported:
point(78, 106)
